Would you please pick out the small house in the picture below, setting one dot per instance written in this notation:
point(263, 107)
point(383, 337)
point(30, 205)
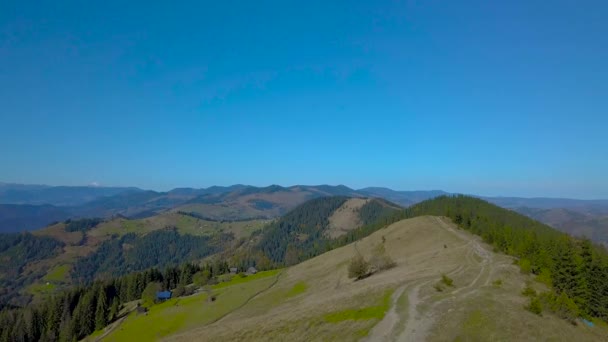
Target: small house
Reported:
point(252, 270)
point(163, 295)
point(233, 270)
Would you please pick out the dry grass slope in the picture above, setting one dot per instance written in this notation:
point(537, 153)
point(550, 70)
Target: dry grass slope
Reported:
point(346, 218)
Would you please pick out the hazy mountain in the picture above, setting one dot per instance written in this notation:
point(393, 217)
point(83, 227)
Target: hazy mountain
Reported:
point(20, 217)
point(55, 195)
point(573, 221)
point(404, 198)
point(549, 203)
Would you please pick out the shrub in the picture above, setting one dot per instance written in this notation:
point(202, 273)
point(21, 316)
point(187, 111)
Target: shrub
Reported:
point(438, 287)
point(562, 305)
point(148, 296)
point(497, 282)
point(544, 277)
point(525, 266)
point(447, 280)
point(528, 291)
point(535, 306)
point(201, 278)
point(380, 259)
point(358, 267)
point(179, 291)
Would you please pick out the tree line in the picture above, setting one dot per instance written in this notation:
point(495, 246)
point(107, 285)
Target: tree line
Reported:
point(211, 219)
point(76, 313)
point(81, 225)
point(130, 253)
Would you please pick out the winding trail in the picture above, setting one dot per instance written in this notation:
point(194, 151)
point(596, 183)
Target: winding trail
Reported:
point(382, 331)
point(415, 324)
point(259, 293)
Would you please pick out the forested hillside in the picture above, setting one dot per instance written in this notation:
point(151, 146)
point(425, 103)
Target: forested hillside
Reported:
point(297, 236)
point(73, 314)
point(300, 234)
point(158, 249)
point(89, 249)
point(75, 251)
point(16, 251)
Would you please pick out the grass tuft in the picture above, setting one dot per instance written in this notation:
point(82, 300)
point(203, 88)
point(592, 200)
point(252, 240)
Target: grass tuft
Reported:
point(297, 289)
point(371, 312)
point(447, 280)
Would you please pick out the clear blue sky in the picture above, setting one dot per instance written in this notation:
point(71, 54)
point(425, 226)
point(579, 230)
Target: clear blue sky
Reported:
point(484, 97)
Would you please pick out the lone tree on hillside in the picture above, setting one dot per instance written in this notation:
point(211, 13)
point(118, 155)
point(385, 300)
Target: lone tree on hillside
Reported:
point(380, 259)
point(358, 267)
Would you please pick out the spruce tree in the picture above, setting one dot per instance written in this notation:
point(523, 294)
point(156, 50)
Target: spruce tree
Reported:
point(101, 313)
point(566, 273)
point(114, 310)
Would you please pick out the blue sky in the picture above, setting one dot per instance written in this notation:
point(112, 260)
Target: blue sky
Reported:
point(484, 97)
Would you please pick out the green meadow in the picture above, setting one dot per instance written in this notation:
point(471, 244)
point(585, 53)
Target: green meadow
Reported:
point(183, 313)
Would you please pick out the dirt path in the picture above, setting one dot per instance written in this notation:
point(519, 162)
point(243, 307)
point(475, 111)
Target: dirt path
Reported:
point(415, 324)
point(383, 330)
point(276, 280)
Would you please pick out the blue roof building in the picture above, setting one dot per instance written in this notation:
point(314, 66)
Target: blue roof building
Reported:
point(163, 295)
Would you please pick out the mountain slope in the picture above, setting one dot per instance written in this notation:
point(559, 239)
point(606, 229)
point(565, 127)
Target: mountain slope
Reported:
point(316, 301)
point(103, 248)
point(308, 230)
point(574, 221)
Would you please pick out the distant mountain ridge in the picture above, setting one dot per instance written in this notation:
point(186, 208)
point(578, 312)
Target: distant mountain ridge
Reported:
point(45, 204)
point(55, 195)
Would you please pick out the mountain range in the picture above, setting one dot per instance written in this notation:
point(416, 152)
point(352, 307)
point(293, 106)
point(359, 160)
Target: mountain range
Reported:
point(30, 207)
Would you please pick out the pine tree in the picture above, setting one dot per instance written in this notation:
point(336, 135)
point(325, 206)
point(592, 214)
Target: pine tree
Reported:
point(101, 313)
point(598, 290)
point(583, 291)
point(84, 315)
point(566, 273)
point(114, 310)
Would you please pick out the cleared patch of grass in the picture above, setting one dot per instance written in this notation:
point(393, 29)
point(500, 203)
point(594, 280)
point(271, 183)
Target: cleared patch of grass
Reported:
point(370, 312)
point(183, 313)
point(240, 280)
point(475, 323)
point(43, 289)
point(185, 225)
point(58, 274)
point(297, 289)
